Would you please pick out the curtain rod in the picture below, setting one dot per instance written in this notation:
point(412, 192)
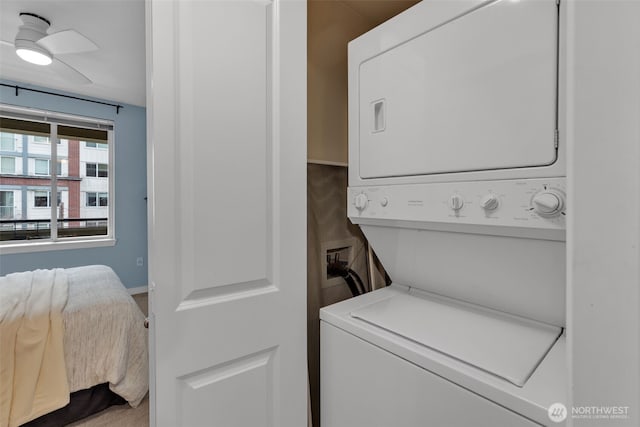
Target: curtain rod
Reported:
point(16, 87)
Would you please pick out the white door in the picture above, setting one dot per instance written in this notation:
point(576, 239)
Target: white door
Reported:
point(227, 212)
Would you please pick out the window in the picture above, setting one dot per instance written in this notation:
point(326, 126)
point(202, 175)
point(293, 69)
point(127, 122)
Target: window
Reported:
point(92, 199)
point(6, 204)
point(41, 139)
point(97, 199)
point(7, 142)
point(99, 170)
point(42, 199)
point(81, 215)
point(44, 140)
point(96, 145)
point(7, 165)
point(42, 167)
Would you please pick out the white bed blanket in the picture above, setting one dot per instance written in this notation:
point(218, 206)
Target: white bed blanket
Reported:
point(105, 339)
point(33, 379)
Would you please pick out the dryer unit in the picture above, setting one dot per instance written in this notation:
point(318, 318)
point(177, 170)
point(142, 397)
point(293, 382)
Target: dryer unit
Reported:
point(456, 177)
point(456, 90)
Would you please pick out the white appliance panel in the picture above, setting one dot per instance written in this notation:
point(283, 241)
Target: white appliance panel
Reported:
point(506, 346)
point(479, 90)
point(513, 212)
point(364, 385)
point(546, 385)
point(525, 277)
point(456, 179)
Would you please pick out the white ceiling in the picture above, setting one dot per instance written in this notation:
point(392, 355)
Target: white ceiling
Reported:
point(117, 68)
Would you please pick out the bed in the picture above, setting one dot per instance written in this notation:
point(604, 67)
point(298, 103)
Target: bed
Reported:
point(103, 347)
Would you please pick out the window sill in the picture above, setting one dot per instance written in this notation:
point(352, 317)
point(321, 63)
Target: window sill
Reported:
point(17, 248)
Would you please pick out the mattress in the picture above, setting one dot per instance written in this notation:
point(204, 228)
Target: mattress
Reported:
point(105, 340)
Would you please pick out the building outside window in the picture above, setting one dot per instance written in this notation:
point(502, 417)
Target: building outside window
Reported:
point(42, 199)
point(6, 205)
point(89, 144)
point(7, 142)
point(100, 170)
point(97, 199)
point(83, 183)
point(7, 164)
point(42, 167)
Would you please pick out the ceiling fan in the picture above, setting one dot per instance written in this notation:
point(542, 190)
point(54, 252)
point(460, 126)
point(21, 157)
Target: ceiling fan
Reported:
point(34, 45)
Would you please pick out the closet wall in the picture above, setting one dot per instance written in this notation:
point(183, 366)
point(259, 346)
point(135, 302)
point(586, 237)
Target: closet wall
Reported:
point(331, 24)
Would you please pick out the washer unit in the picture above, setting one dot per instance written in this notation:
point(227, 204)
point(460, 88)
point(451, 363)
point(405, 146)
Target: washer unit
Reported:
point(456, 177)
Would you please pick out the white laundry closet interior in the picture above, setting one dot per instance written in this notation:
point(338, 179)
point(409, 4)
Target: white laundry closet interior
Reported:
point(457, 178)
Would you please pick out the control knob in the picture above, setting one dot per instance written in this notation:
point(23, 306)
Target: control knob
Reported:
point(489, 202)
point(361, 201)
point(456, 202)
point(548, 203)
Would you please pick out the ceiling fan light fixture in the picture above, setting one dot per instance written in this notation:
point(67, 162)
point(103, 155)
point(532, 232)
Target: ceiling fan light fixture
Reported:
point(31, 52)
point(33, 44)
point(34, 56)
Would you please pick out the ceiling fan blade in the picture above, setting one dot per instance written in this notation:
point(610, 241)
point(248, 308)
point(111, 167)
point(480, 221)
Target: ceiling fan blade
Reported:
point(67, 41)
point(69, 73)
point(6, 43)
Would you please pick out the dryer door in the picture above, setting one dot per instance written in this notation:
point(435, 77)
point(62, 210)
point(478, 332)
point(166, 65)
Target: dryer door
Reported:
point(478, 92)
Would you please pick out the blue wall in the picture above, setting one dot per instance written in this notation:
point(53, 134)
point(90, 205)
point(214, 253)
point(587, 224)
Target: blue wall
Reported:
point(130, 190)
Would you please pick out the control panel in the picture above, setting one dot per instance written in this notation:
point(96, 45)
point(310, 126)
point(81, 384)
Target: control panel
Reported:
point(522, 204)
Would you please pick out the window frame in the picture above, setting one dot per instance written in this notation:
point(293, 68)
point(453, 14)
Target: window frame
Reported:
point(96, 145)
point(35, 167)
point(98, 170)
point(13, 141)
point(87, 197)
point(48, 205)
point(58, 167)
point(14, 165)
point(98, 196)
point(86, 169)
point(36, 141)
point(36, 197)
point(13, 201)
point(54, 242)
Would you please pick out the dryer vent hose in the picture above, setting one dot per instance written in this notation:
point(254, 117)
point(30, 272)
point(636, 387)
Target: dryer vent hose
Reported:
point(356, 286)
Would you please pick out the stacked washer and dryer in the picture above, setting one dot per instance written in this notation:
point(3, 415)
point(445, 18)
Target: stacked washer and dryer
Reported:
point(457, 178)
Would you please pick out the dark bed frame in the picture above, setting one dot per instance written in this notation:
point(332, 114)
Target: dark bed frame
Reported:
point(82, 404)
